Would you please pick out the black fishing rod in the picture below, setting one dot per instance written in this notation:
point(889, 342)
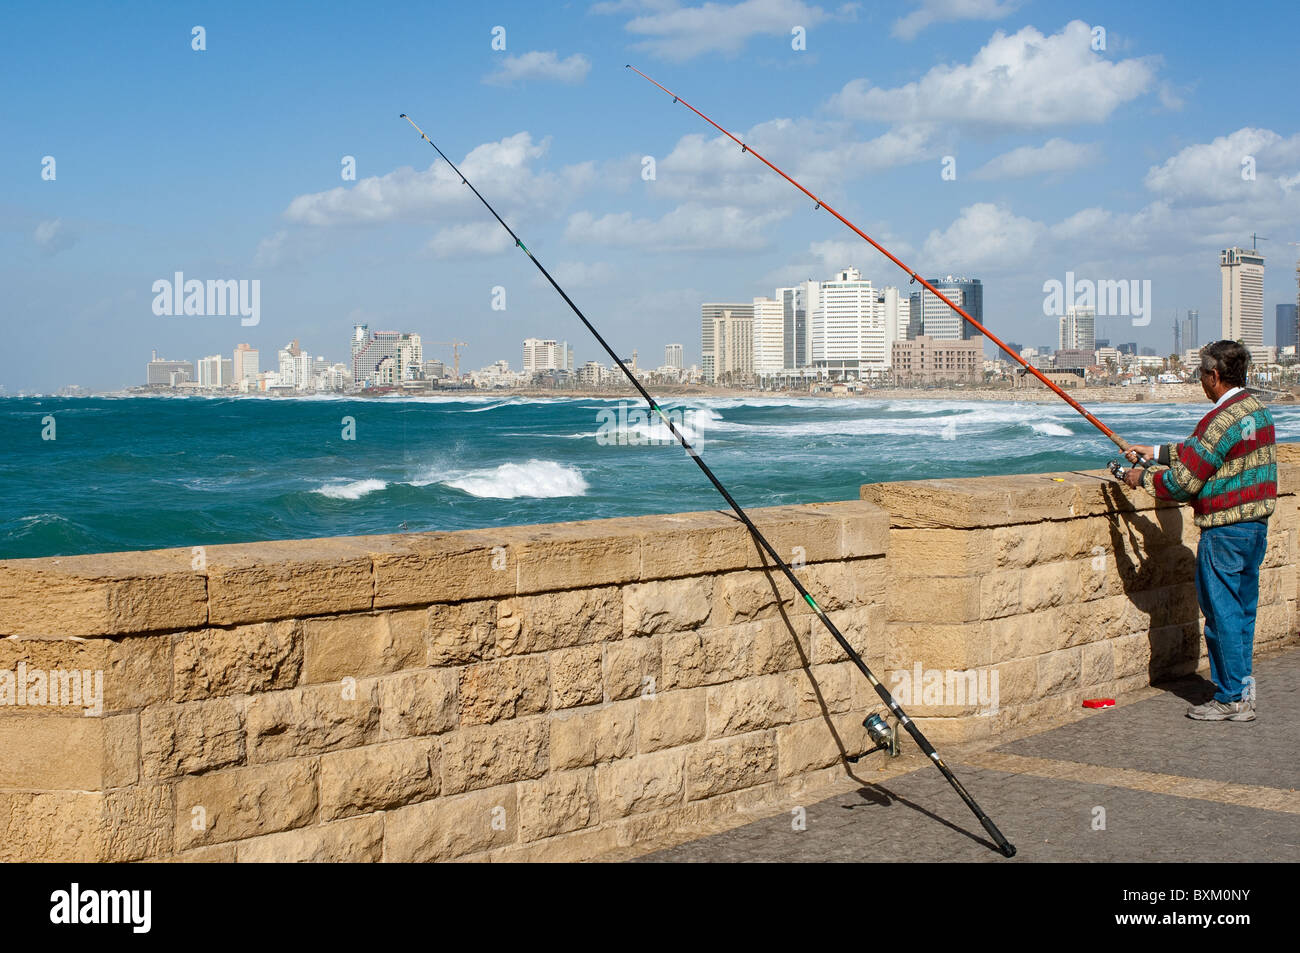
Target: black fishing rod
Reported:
point(875, 727)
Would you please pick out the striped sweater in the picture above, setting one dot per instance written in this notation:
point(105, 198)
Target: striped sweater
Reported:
point(1227, 468)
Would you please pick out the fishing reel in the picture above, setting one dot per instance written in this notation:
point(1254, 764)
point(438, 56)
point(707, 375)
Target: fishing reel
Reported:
point(884, 735)
point(1117, 471)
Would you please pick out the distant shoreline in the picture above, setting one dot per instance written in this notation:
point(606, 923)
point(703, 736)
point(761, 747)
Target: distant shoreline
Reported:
point(1155, 394)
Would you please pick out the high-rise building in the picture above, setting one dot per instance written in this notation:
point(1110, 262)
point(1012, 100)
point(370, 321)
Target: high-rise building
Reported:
point(1192, 330)
point(769, 336)
point(370, 348)
point(794, 320)
point(673, 356)
point(164, 373)
point(929, 316)
point(215, 371)
point(541, 356)
point(1178, 336)
point(410, 357)
point(722, 343)
point(1286, 326)
point(245, 364)
point(848, 331)
point(1242, 275)
point(1077, 330)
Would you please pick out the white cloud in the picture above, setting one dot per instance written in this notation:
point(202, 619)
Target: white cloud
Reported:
point(984, 237)
point(1215, 171)
point(1053, 156)
point(942, 11)
point(1022, 80)
point(688, 228)
point(543, 66)
point(503, 171)
point(678, 33)
point(470, 240)
point(52, 237)
point(821, 155)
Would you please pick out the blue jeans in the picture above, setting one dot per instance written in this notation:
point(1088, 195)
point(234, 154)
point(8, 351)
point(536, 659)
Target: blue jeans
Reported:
point(1227, 587)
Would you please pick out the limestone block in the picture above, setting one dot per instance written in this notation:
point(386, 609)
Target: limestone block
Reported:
point(190, 738)
point(669, 719)
point(646, 783)
point(356, 840)
point(239, 803)
point(122, 674)
point(42, 752)
point(576, 676)
point(421, 702)
point(674, 605)
point(260, 582)
point(632, 667)
point(591, 735)
point(450, 827)
point(261, 657)
point(483, 756)
point(105, 594)
point(752, 703)
point(378, 777)
point(557, 804)
point(728, 764)
point(363, 644)
point(311, 720)
point(508, 688)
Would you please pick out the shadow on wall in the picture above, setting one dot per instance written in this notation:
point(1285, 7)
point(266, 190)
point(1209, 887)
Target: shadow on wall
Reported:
point(1159, 580)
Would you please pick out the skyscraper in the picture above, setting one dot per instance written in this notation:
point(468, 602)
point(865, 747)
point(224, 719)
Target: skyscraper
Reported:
point(794, 321)
point(847, 331)
point(1242, 274)
point(1286, 326)
point(1192, 330)
point(769, 333)
point(723, 340)
point(542, 355)
point(673, 356)
point(1077, 330)
point(245, 364)
point(929, 316)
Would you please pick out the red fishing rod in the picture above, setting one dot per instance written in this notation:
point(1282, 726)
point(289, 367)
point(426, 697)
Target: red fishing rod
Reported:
point(1114, 437)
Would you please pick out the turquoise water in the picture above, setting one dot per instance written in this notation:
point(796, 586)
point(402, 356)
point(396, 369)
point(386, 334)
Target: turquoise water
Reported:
point(143, 473)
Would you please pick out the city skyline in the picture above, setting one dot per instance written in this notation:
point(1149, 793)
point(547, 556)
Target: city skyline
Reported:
point(1018, 146)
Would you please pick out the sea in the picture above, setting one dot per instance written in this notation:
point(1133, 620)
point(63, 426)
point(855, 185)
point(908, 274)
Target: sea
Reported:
point(101, 474)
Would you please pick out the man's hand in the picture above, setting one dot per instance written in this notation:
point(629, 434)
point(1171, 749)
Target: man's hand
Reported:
point(1133, 477)
point(1147, 452)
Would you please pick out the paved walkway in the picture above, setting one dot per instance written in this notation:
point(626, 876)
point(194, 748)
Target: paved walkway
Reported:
point(1171, 790)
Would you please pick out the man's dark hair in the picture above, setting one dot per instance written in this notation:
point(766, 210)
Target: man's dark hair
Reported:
point(1229, 359)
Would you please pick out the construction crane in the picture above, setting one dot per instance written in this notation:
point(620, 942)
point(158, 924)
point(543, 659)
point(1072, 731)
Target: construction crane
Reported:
point(455, 351)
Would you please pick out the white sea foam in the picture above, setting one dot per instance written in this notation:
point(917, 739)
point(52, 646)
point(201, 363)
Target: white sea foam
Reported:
point(538, 479)
point(1052, 430)
point(350, 491)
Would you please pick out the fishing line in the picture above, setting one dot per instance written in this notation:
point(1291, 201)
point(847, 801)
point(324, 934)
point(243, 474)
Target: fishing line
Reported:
point(875, 728)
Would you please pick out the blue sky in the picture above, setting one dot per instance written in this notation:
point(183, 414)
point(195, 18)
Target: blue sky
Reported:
point(1123, 163)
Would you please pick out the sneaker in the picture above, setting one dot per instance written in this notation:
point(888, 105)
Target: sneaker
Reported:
point(1223, 711)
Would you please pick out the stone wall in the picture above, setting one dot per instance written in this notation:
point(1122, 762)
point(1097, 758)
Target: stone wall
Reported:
point(564, 691)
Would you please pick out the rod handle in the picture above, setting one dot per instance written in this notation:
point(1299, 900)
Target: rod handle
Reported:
point(1008, 849)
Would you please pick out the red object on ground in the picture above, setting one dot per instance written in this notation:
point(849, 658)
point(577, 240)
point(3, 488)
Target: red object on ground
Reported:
point(1099, 703)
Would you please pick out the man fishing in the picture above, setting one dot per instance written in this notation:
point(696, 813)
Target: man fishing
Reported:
point(1227, 469)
